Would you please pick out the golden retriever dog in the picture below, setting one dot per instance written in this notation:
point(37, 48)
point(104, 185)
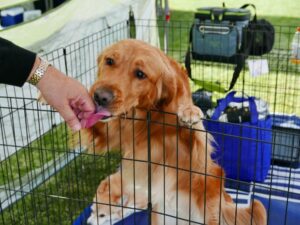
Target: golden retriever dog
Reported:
point(150, 117)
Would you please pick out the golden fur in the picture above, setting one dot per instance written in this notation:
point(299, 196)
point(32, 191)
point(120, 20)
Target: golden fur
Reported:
point(175, 150)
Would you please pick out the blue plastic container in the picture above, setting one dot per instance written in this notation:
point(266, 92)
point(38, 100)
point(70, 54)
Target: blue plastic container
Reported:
point(12, 16)
point(286, 140)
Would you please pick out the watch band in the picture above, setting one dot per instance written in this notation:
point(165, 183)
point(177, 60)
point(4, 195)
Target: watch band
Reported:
point(39, 73)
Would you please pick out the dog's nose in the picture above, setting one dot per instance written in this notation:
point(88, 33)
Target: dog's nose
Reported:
point(103, 97)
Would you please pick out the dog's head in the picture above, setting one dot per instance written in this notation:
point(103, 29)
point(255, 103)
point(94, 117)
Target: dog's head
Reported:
point(131, 74)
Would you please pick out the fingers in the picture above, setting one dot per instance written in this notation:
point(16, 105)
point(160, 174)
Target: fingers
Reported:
point(87, 104)
point(77, 113)
point(84, 103)
point(68, 96)
point(83, 106)
point(84, 109)
point(70, 117)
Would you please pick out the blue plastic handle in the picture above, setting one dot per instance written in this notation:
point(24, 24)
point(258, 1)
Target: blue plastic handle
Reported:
point(223, 103)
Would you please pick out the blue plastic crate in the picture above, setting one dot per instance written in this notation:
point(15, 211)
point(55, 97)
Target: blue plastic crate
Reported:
point(12, 16)
point(286, 140)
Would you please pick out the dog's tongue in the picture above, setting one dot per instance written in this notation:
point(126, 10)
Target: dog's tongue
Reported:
point(94, 118)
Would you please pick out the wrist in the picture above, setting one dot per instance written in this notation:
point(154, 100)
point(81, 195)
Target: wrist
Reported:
point(53, 78)
point(38, 71)
point(34, 68)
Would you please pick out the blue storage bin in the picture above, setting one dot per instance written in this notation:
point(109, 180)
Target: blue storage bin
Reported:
point(12, 16)
point(286, 140)
point(242, 149)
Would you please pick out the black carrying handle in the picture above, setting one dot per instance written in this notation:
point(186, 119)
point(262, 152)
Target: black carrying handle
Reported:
point(253, 6)
point(187, 60)
point(242, 56)
point(241, 59)
point(217, 13)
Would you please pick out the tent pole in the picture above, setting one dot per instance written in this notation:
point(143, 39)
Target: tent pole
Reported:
point(166, 27)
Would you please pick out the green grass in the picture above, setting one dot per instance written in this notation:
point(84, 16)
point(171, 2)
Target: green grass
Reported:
point(279, 89)
point(35, 155)
point(62, 198)
point(285, 19)
point(276, 8)
point(182, 16)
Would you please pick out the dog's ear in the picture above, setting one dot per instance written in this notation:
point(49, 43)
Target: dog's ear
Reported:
point(166, 84)
point(99, 61)
point(168, 88)
point(103, 187)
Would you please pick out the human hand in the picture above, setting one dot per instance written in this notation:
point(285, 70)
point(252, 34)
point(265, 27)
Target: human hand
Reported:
point(68, 97)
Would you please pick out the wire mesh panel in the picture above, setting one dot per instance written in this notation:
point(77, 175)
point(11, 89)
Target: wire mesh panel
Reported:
point(36, 155)
point(48, 177)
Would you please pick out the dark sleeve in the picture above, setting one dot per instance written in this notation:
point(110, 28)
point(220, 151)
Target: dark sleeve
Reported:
point(15, 63)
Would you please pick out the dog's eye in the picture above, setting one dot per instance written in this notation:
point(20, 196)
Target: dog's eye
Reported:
point(140, 74)
point(101, 215)
point(109, 61)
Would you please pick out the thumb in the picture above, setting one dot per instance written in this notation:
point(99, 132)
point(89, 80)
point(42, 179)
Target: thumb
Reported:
point(71, 119)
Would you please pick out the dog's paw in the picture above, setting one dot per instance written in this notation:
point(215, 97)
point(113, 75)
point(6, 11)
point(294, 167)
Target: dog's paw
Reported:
point(92, 220)
point(189, 115)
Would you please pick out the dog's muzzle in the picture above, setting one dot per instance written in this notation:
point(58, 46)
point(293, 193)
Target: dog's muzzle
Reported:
point(103, 97)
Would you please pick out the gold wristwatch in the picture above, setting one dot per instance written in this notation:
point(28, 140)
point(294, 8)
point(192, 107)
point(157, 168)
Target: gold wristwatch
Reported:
point(39, 72)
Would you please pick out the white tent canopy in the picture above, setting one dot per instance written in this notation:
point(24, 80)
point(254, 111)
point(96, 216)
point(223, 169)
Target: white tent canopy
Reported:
point(76, 19)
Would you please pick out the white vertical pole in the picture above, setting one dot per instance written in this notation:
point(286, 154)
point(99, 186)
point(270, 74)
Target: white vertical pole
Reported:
point(166, 27)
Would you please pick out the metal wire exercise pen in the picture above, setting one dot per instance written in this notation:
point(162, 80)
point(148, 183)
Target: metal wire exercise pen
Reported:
point(44, 180)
